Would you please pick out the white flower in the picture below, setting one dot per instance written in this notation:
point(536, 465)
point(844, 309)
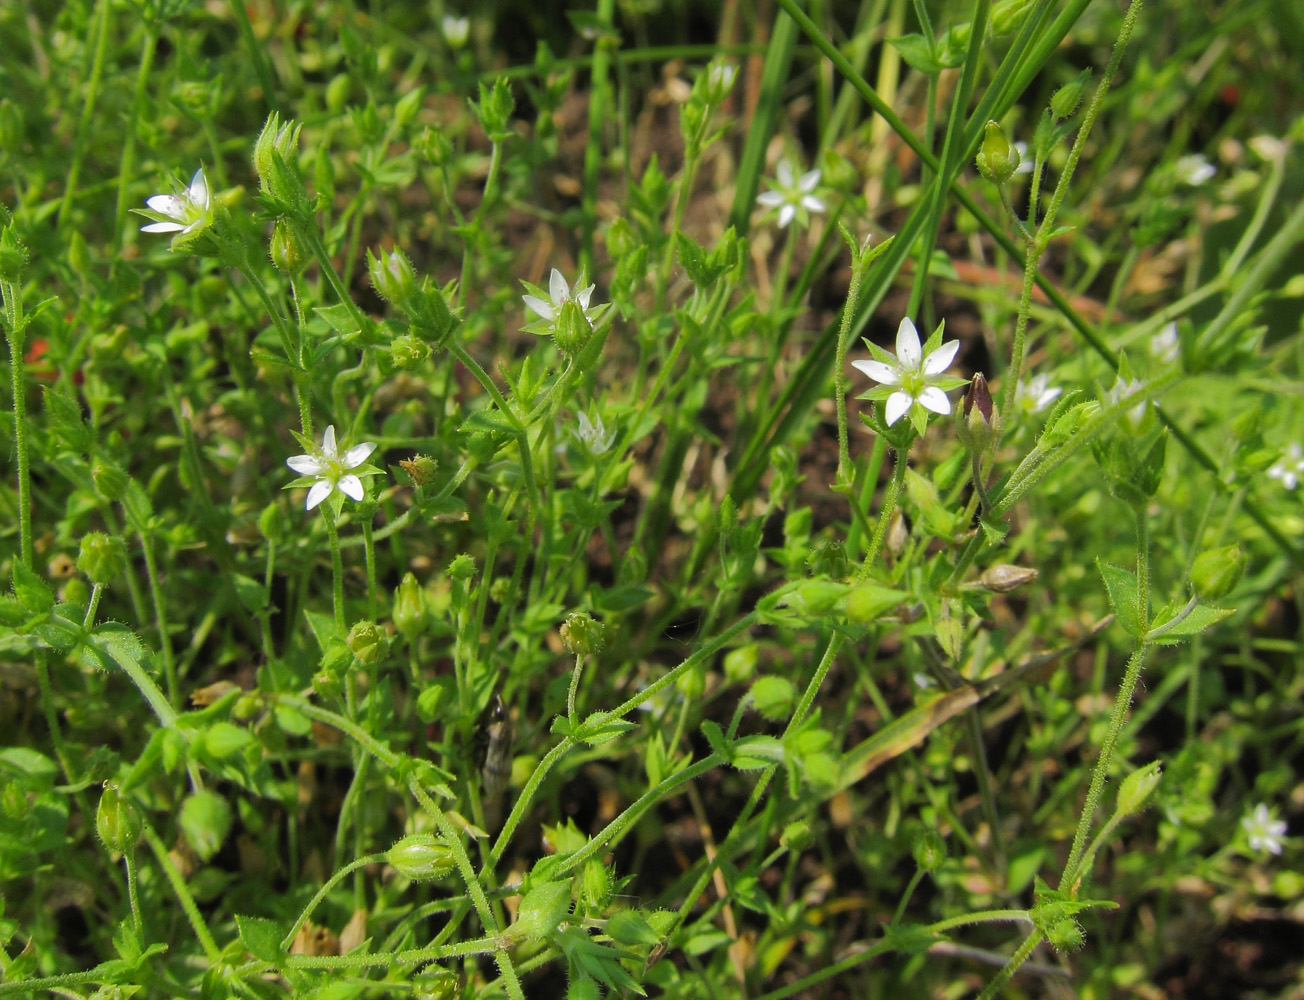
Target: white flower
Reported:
point(1035, 395)
point(1194, 169)
point(1265, 833)
point(331, 468)
point(719, 81)
point(560, 293)
point(456, 30)
point(186, 211)
point(913, 372)
point(1122, 390)
point(1290, 468)
point(793, 194)
point(594, 436)
point(1164, 345)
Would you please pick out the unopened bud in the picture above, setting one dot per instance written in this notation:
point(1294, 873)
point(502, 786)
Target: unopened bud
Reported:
point(392, 276)
point(407, 352)
point(278, 139)
point(420, 857)
point(110, 480)
point(1002, 578)
point(930, 851)
point(1215, 573)
point(287, 249)
point(1065, 935)
point(102, 557)
point(582, 635)
point(270, 523)
point(1065, 100)
point(997, 159)
point(410, 616)
point(117, 820)
point(979, 420)
point(1136, 788)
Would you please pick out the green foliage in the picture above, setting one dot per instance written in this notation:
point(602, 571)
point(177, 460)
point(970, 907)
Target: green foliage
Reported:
point(598, 556)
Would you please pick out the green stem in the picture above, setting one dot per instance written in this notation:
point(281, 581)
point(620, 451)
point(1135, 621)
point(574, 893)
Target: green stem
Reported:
point(890, 498)
point(160, 620)
point(88, 109)
point(331, 882)
point(1017, 959)
point(187, 901)
point(133, 897)
point(127, 165)
point(453, 838)
point(574, 688)
point(337, 566)
point(16, 324)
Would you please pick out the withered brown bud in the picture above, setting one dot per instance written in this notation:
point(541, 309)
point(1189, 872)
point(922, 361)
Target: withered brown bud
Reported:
point(1002, 578)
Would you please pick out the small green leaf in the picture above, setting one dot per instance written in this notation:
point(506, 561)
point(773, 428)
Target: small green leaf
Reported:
point(1121, 585)
point(261, 936)
point(205, 820)
point(1201, 617)
point(917, 52)
point(30, 589)
point(595, 730)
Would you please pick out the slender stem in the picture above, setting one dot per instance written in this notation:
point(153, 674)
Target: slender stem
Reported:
point(101, 29)
point(525, 800)
point(15, 324)
point(133, 898)
point(574, 687)
point(187, 901)
point(337, 566)
point(890, 498)
point(160, 620)
point(92, 606)
point(1017, 959)
point(453, 838)
point(331, 882)
point(127, 165)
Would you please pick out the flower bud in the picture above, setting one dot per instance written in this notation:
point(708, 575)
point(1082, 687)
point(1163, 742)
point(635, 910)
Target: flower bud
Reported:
point(420, 857)
point(930, 851)
point(287, 249)
point(1065, 100)
point(979, 420)
point(773, 696)
point(392, 276)
point(1215, 573)
point(462, 567)
point(796, 836)
point(494, 109)
point(1002, 578)
point(368, 642)
point(327, 684)
point(582, 635)
point(410, 616)
point(110, 480)
point(599, 885)
point(997, 159)
point(1136, 789)
point(270, 523)
point(456, 30)
point(433, 147)
point(102, 557)
point(719, 82)
point(117, 820)
point(274, 140)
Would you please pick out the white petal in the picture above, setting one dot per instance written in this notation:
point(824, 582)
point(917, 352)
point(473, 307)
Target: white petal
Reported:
point(809, 180)
point(162, 227)
point(940, 360)
point(321, 489)
point(933, 398)
point(351, 486)
point(537, 305)
point(328, 443)
point(907, 345)
point(897, 404)
point(771, 199)
point(785, 174)
point(878, 371)
point(582, 298)
point(786, 215)
point(199, 189)
point(356, 455)
point(306, 465)
point(167, 204)
point(812, 204)
point(558, 290)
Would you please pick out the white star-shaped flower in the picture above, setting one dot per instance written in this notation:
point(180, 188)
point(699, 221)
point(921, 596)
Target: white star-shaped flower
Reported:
point(184, 212)
point(594, 434)
point(1265, 833)
point(1194, 169)
point(1035, 395)
point(1290, 467)
point(560, 293)
point(1123, 389)
point(331, 469)
point(913, 373)
point(792, 194)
